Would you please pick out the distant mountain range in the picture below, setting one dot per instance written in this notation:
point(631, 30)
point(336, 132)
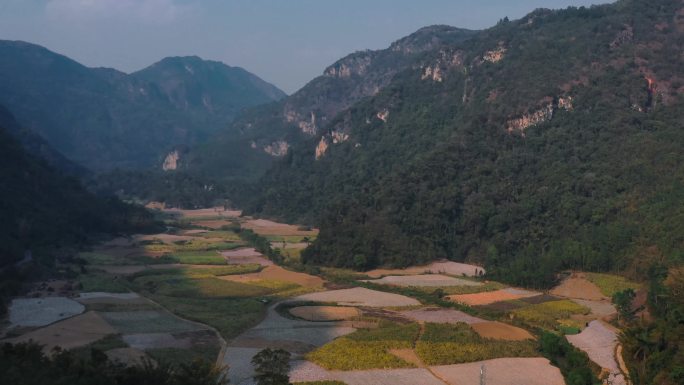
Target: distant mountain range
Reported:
point(102, 118)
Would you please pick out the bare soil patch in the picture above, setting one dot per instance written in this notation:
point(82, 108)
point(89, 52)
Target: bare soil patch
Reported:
point(213, 224)
point(423, 280)
point(439, 315)
point(577, 286)
point(325, 313)
point(360, 296)
point(72, 333)
point(127, 356)
point(501, 331)
point(490, 297)
point(266, 227)
point(599, 341)
point(277, 273)
point(166, 238)
point(503, 371)
point(42, 311)
point(203, 213)
point(537, 299)
point(145, 341)
point(439, 267)
point(408, 355)
point(599, 309)
point(289, 246)
point(304, 371)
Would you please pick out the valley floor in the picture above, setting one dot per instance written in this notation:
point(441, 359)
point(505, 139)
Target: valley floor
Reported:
point(202, 291)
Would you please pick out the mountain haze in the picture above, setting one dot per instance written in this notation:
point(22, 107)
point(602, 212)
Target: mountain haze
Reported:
point(102, 118)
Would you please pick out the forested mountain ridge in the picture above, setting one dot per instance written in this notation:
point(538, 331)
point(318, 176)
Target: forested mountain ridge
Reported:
point(245, 149)
point(43, 208)
point(102, 118)
point(546, 143)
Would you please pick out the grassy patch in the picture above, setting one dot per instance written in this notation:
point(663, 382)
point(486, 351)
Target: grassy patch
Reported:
point(546, 315)
point(199, 258)
point(452, 290)
point(102, 282)
point(176, 356)
point(229, 316)
point(611, 284)
point(224, 235)
point(289, 238)
point(367, 349)
point(147, 322)
point(446, 344)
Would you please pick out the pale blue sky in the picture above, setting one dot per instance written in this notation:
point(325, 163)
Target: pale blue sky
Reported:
point(286, 42)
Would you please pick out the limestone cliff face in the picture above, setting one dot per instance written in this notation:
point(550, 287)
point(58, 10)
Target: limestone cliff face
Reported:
point(446, 61)
point(539, 116)
point(277, 149)
point(495, 55)
point(321, 148)
point(171, 161)
point(356, 64)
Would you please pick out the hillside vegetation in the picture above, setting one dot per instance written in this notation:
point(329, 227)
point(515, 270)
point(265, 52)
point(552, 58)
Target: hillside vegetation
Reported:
point(547, 143)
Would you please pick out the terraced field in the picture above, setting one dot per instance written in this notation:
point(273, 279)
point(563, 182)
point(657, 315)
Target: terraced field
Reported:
point(204, 292)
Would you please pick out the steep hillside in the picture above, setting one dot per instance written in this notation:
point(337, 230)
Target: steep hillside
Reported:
point(42, 209)
point(262, 134)
point(103, 118)
point(547, 143)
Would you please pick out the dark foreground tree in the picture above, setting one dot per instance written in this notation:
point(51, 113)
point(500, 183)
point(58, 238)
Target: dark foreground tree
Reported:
point(271, 367)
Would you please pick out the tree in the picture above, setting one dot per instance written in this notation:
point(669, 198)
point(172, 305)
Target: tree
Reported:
point(272, 367)
point(201, 372)
point(623, 303)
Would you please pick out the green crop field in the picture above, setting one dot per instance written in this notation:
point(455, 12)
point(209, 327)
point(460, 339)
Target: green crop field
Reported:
point(547, 315)
point(446, 344)
point(367, 348)
point(611, 284)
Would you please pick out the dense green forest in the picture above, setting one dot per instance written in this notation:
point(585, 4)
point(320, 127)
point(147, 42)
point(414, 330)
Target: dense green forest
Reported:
point(176, 188)
point(47, 213)
point(593, 185)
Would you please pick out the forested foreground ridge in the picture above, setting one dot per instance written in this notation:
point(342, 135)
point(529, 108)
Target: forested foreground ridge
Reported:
point(547, 143)
point(46, 212)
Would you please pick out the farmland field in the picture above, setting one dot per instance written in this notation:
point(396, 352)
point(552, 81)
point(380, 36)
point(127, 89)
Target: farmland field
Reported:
point(180, 296)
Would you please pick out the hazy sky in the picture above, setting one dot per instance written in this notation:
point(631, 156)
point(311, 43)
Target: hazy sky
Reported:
point(286, 42)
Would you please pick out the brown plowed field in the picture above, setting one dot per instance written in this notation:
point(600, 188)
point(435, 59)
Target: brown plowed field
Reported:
point(501, 331)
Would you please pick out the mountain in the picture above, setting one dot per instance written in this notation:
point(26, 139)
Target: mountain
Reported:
point(246, 148)
point(43, 208)
point(551, 142)
point(35, 145)
point(102, 118)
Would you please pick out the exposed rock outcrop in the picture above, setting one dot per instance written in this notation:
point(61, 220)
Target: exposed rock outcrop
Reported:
point(446, 61)
point(383, 115)
point(321, 148)
point(339, 137)
point(277, 149)
point(495, 55)
point(171, 161)
point(542, 115)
